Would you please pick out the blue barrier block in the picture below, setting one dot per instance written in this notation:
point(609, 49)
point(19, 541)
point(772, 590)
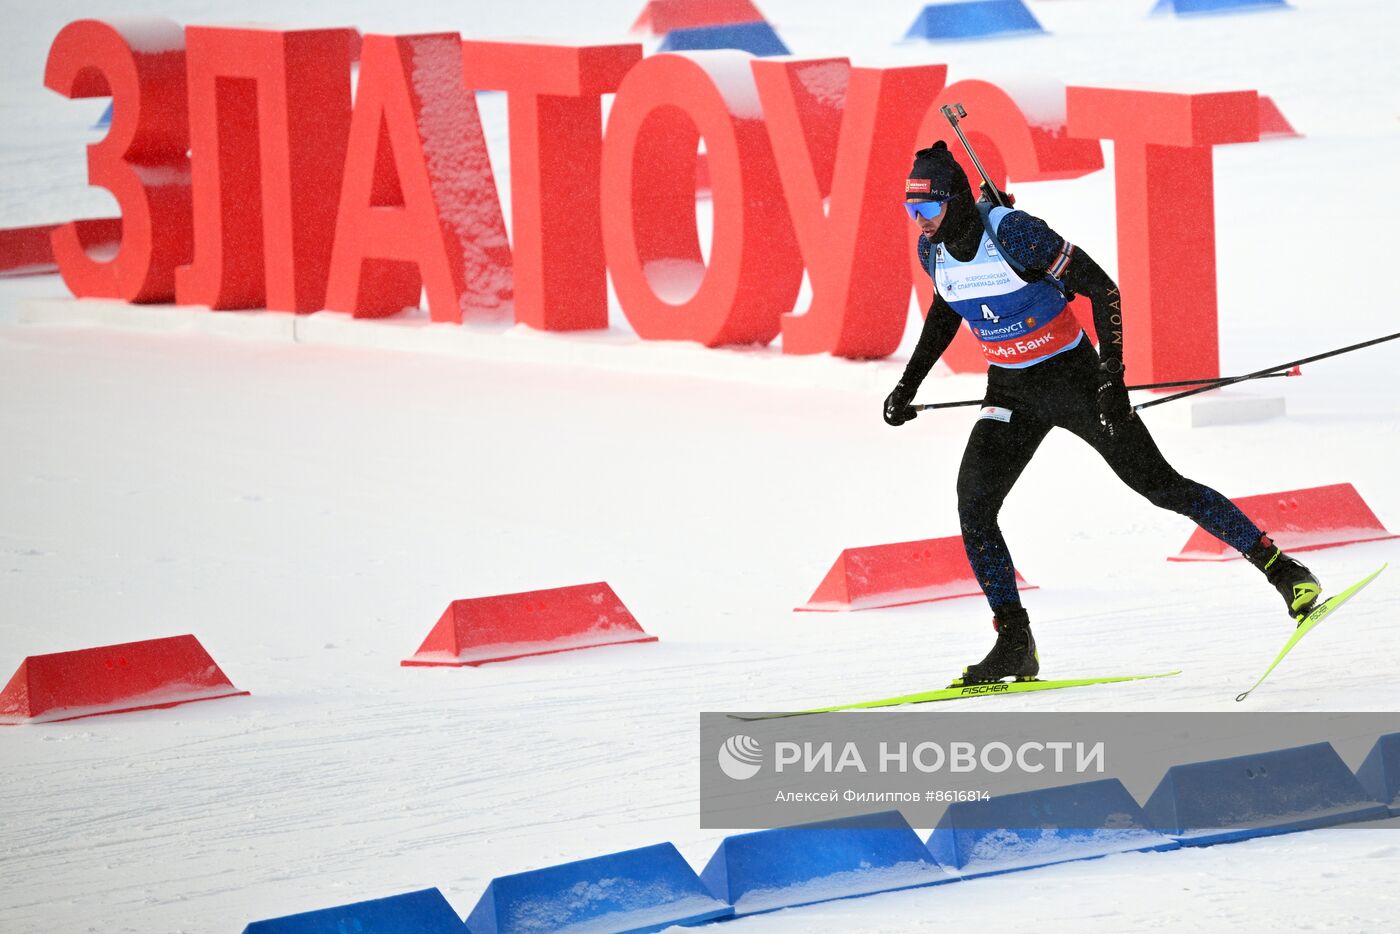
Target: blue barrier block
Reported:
point(974, 19)
point(1197, 7)
point(1037, 828)
point(105, 120)
point(424, 912)
point(1257, 795)
point(1380, 773)
point(757, 38)
point(631, 892)
point(789, 866)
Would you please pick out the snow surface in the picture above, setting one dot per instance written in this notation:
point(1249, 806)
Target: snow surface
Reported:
point(167, 695)
point(1002, 850)
point(1041, 100)
point(149, 35)
point(656, 903)
point(732, 73)
point(307, 509)
point(827, 82)
point(843, 885)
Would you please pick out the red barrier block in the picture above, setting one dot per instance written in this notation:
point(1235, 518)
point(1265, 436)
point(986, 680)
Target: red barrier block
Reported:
point(139, 62)
point(854, 247)
point(419, 210)
point(664, 107)
point(112, 679)
point(554, 97)
point(1272, 122)
point(269, 116)
point(898, 575)
point(518, 625)
point(28, 251)
point(661, 16)
point(1016, 143)
point(1298, 520)
point(1165, 201)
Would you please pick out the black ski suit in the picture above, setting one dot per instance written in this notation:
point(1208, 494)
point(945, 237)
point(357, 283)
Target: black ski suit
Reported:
point(1070, 390)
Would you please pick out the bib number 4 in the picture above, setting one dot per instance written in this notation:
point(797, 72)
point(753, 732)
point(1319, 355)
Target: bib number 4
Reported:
point(987, 314)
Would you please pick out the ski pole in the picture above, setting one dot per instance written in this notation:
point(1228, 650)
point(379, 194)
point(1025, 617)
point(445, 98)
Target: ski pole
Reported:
point(926, 406)
point(953, 112)
point(1265, 372)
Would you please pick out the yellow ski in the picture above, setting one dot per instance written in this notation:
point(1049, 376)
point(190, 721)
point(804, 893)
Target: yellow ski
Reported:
point(1319, 613)
point(959, 692)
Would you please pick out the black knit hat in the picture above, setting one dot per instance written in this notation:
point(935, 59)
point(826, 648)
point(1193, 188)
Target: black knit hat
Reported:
point(936, 174)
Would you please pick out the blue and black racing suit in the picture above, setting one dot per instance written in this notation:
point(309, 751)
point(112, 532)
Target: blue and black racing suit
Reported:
point(1043, 374)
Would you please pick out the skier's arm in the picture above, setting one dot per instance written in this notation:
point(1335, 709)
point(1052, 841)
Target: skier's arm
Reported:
point(1086, 277)
point(940, 327)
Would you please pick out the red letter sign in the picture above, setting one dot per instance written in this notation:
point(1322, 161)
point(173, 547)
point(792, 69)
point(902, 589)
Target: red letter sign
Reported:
point(141, 64)
point(419, 208)
point(854, 252)
point(556, 147)
point(269, 115)
point(1166, 217)
point(663, 108)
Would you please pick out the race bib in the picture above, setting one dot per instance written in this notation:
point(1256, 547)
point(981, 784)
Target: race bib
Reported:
point(995, 413)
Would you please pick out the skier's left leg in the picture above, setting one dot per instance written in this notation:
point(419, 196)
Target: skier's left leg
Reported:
point(997, 451)
point(999, 448)
point(1134, 457)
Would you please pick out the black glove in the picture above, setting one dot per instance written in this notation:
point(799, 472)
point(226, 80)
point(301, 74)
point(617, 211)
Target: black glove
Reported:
point(1115, 413)
point(897, 407)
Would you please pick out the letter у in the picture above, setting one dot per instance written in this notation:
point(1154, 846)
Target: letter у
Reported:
point(853, 251)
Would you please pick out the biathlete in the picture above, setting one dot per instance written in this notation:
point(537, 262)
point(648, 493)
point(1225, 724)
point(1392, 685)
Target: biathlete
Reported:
point(1043, 374)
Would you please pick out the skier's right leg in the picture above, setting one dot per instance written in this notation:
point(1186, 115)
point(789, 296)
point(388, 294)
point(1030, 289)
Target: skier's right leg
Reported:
point(1137, 461)
point(1002, 443)
point(1069, 402)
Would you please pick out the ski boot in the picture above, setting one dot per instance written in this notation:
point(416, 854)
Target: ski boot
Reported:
point(1014, 655)
point(1300, 589)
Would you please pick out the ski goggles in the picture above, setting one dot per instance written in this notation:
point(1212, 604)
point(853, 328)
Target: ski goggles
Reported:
point(925, 209)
